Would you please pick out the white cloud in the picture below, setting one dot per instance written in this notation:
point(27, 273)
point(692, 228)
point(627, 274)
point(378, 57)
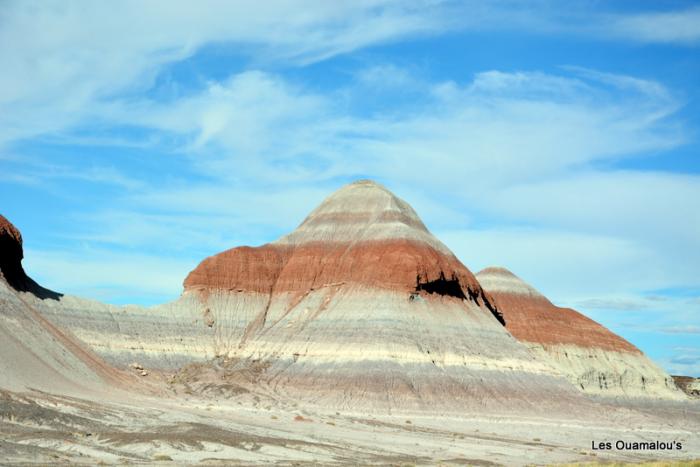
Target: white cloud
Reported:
point(60, 60)
point(508, 146)
point(684, 361)
point(682, 329)
point(512, 125)
point(626, 303)
point(672, 315)
point(200, 220)
point(238, 115)
point(680, 26)
point(35, 172)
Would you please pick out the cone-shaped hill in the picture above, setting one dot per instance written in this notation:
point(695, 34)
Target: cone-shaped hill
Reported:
point(359, 307)
point(362, 236)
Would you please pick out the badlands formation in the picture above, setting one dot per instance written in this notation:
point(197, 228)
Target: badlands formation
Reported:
point(35, 353)
point(689, 385)
point(591, 357)
point(359, 338)
point(359, 307)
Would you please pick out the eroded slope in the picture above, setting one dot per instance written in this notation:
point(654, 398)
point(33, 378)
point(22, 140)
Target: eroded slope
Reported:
point(593, 358)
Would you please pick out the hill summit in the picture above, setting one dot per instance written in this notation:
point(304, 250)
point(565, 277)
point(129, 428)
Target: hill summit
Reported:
point(362, 236)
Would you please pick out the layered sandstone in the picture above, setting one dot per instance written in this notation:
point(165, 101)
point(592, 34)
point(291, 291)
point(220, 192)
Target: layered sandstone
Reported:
point(359, 348)
point(362, 236)
point(360, 307)
point(165, 337)
point(593, 358)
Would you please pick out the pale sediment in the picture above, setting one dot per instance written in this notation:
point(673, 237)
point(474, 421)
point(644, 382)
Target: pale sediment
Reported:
point(362, 307)
point(122, 335)
point(357, 331)
point(332, 345)
point(593, 359)
point(36, 354)
point(608, 372)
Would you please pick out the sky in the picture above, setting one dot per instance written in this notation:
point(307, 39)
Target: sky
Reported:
point(558, 139)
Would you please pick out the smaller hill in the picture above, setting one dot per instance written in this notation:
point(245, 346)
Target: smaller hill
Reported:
point(593, 358)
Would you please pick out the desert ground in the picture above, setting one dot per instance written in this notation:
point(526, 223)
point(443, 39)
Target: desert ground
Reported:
point(252, 429)
point(307, 352)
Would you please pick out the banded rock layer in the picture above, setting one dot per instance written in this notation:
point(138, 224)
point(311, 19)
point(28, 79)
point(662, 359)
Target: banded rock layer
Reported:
point(593, 358)
point(359, 307)
point(34, 353)
point(362, 235)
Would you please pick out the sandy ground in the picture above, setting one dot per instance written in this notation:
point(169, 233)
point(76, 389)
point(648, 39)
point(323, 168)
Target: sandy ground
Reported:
point(244, 429)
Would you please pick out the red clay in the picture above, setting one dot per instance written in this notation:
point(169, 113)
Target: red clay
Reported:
point(7, 229)
point(397, 264)
point(537, 320)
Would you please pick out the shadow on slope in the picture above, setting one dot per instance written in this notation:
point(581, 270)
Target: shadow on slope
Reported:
point(11, 255)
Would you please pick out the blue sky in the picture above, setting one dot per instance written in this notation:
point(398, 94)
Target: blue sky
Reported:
point(560, 140)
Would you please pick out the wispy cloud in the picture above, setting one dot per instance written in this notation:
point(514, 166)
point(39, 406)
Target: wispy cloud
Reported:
point(624, 304)
point(55, 74)
point(552, 121)
point(684, 361)
point(679, 26)
point(61, 60)
point(672, 320)
point(615, 203)
point(684, 329)
point(257, 126)
point(512, 167)
point(563, 264)
point(35, 172)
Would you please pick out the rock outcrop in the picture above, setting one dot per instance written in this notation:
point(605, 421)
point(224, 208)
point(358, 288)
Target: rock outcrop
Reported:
point(689, 385)
point(359, 307)
point(362, 236)
point(593, 358)
point(35, 353)
point(11, 255)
